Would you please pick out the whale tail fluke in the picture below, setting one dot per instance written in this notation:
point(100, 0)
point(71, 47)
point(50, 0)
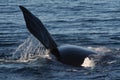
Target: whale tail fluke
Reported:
point(36, 27)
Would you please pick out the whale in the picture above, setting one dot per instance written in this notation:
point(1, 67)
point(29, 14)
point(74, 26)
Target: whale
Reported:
point(67, 54)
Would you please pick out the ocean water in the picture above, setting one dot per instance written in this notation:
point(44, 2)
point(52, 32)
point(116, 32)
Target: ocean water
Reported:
point(93, 24)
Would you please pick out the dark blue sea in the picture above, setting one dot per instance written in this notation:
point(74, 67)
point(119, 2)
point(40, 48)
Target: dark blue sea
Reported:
point(92, 24)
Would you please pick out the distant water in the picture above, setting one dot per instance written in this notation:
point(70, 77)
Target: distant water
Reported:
point(94, 24)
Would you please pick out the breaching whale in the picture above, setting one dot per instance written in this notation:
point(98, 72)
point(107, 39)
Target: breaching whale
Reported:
point(67, 54)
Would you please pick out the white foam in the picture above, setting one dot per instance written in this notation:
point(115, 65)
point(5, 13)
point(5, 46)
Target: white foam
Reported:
point(100, 49)
point(88, 63)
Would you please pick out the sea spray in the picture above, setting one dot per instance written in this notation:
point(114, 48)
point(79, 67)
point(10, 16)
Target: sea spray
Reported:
point(29, 49)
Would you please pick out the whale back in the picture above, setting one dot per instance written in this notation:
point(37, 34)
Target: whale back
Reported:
point(73, 55)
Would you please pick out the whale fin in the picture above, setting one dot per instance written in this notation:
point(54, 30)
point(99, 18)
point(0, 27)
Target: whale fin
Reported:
point(36, 27)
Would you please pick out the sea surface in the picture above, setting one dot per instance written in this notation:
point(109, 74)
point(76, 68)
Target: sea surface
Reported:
point(92, 24)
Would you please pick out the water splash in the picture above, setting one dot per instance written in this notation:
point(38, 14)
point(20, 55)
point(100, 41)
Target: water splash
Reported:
point(92, 60)
point(29, 49)
point(88, 63)
point(32, 49)
point(100, 50)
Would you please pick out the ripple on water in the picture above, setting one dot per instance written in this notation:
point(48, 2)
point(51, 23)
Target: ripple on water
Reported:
point(80, 22)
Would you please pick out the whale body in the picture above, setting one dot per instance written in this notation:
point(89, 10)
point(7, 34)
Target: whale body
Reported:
point(67, 54)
